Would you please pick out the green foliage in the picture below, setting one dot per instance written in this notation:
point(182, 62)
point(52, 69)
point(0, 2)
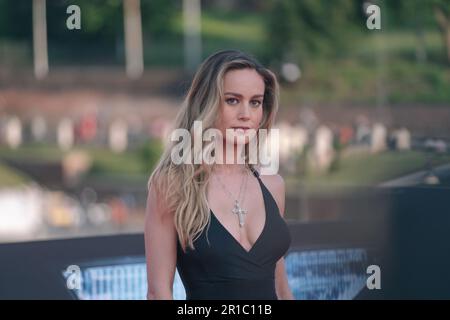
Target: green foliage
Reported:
point(337, 55)
point(302, 30)
point(149, 153)
point(409, 14)
point(444, 5)
point(370, 169)
point(105, 162)
point(103, 20)
point(158, 18)
point(101, 38)
point(15, 19)
point(423, 83)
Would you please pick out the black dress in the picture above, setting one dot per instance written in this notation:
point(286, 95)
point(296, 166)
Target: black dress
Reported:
point(223, 269)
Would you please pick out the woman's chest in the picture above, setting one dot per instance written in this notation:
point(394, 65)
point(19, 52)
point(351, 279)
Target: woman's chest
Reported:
point(249, 209)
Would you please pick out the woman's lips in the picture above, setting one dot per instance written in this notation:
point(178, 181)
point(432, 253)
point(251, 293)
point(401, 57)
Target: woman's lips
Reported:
point(240, 129)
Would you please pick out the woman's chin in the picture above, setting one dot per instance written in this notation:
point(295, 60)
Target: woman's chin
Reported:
point(239, 142)
point(242, 136)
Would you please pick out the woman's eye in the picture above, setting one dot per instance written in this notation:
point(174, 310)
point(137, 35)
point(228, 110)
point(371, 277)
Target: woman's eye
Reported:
point(231, 101)
point(255, 103)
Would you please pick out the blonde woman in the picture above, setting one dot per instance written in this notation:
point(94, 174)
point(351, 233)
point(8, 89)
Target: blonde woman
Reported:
point(221, 225)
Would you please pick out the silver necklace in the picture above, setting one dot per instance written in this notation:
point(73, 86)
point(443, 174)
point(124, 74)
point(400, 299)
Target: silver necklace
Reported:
point(237, 209)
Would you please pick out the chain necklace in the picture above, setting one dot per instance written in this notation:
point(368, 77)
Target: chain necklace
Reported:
point(237, 209)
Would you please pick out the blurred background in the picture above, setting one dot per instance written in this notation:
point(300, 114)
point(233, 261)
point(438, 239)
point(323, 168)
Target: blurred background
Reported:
point(88, 92)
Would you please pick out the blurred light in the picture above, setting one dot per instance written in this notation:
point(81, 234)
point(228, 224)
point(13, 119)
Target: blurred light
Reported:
point(291, 72)
point(118, 136)
point(65, 134)
point(20, 211)
point(13, 132)
point(98, 214)
point(431, 179)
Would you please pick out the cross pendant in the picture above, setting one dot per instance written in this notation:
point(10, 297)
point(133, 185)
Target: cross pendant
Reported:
point(240, 212)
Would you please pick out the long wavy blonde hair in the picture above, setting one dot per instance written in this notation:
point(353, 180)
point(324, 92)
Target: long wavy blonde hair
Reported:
point(183, 186)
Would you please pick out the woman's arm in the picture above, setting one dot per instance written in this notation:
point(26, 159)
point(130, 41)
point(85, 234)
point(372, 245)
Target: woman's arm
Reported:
point(277, 188)
point(281, 282)
point(160, 248)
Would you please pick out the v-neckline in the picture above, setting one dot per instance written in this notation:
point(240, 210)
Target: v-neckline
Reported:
point(262, 231)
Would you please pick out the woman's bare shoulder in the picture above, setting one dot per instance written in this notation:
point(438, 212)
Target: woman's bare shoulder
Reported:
point(275, 184)
point(275, 180)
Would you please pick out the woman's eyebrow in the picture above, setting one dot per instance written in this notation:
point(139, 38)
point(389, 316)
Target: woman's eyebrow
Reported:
point(240, 95)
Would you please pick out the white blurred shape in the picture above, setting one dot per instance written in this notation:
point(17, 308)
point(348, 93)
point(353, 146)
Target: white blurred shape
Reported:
point(291, 72)
point(20, 213)
point(38, 128)
point(118, 136)
point(379, 134)
point(323, 151)
point(13, 132)
point(403, 139)
point(65, 134)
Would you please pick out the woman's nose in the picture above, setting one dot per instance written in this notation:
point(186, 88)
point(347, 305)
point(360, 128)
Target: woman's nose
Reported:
point(244, 112)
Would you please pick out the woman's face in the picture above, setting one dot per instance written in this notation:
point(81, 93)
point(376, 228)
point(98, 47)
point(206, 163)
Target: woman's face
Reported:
point(242, 105)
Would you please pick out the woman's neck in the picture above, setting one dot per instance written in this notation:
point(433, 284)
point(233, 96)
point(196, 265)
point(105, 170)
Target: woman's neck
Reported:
point(230, 158)
point(229, 169)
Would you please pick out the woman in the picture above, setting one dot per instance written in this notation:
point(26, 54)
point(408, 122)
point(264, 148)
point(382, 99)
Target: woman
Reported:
point(220, 225)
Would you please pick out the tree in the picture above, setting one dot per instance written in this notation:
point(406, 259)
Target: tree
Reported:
point(307, 28)
point(413, 15)
point(442, 14)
